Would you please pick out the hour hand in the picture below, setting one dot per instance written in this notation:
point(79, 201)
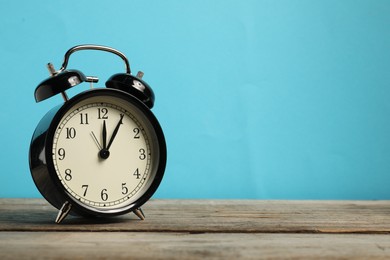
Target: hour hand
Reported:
point(115, 131)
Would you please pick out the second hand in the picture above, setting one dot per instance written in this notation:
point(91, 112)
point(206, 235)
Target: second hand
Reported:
point(96, 140)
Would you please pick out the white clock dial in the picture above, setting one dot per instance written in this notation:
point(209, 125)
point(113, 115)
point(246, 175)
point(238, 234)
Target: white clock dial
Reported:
point(104, 153)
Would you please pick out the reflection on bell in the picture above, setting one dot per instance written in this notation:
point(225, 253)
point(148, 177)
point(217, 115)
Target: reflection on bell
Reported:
point(73, 81)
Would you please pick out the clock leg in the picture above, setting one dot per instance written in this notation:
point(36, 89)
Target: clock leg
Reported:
point(66, 207)
point(139, 213)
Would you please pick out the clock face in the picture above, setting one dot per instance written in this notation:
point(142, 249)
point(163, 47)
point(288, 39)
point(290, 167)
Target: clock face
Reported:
point(105, 153)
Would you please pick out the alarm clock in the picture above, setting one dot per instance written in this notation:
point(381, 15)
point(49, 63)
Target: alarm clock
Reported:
point(102, 152)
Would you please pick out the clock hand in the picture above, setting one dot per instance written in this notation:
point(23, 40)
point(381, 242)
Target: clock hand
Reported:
point(104, 153)
point(96, 140)
point(115, 132)
point(104, 133)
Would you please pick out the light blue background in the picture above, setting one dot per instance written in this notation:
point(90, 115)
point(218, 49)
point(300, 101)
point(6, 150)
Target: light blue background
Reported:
point(258, 99)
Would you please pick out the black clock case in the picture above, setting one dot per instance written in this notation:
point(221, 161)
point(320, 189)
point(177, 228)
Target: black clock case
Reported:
point(42, 167)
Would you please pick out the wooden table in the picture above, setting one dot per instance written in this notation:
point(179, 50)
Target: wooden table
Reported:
point(201, 229)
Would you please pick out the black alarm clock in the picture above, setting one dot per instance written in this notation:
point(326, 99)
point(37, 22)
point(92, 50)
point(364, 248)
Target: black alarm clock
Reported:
point(102, 152)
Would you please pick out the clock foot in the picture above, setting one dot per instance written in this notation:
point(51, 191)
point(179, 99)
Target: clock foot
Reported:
point(66, 207)
point(139, 213)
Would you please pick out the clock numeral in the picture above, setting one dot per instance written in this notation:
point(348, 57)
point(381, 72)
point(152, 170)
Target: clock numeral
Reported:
point(136, 132)
point(70, 133)
point(84, 119)
point(61, 154)
point(104, 195)
point(125, 190)
point(68, 174)
point(85, 187)
point(137, 174)
point(142, 155)
point(102, 113)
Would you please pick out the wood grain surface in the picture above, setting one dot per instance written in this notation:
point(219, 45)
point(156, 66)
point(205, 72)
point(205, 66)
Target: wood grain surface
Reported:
point(195, 229)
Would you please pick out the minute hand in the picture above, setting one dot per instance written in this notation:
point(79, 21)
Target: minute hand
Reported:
point(115, 132)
